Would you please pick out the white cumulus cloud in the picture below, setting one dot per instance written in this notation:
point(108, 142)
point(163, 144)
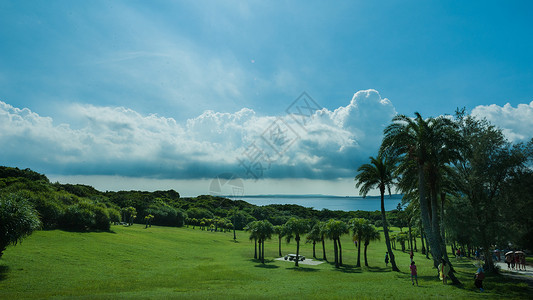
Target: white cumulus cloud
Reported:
point(121, 141)
point(515, 122)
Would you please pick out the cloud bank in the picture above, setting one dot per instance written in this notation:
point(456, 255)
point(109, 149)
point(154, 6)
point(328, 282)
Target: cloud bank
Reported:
point(104, 140)
point(515, 122)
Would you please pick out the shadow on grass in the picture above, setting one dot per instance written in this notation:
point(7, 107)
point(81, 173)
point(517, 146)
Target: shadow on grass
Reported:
point(3, 272)
point(347, 269)
point(303, 269)
point(265, 266)
point(76, 230)
point(378, 269)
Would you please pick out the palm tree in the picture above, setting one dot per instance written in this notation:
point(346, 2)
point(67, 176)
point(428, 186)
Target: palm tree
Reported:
point(314, 236)
point(357, 225)
point(370, 233)
point(280, 231)
point(379, 173)
point(429, 145)
point(264, 231)
point(323, 231)
point(252, 228)
point(295, 228)
point(334, 229)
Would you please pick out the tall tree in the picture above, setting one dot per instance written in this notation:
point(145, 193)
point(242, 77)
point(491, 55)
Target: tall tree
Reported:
point(357, 225)
point(489, 165)
point(429, 145)
point(370, 233)
point(334, 229)
point(280, 231)
point(295, 229)
point(378, 173)
point(252, 228)
point(264, 230)
point(315, 236)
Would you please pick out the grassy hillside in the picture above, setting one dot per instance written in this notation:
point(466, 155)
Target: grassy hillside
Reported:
point(133, 262)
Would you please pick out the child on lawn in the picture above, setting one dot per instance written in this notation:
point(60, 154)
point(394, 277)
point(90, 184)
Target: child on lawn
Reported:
point(413, 273)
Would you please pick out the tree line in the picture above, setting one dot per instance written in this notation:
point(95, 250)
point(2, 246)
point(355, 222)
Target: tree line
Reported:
point(29, 201)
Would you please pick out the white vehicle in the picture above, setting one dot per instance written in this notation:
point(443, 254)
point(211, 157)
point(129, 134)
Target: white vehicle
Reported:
point(292, 257)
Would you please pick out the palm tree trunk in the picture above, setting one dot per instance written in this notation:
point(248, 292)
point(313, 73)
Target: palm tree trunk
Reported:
point(442, 231)
point(297, 251)
point(340, 251)
point(314, 253)
point(424, 215)
point(386, 231)
point(366, 261)
point(358, 254)
point(324, 250)
point(255, 252)
point(263, 252)
point(279, 244)
point(335, 250)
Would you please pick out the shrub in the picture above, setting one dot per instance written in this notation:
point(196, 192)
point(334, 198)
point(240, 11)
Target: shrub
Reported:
point(101, 218)
point(114, 215)
point(18, 219)
point(78, 217)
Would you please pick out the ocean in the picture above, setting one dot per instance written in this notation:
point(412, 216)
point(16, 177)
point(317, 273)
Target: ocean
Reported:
point(370, 203)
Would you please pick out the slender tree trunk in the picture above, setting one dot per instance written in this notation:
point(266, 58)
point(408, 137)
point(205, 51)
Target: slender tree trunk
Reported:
point(279, 244)
point(414, 240)
point(410, 238)
point(255, 251)
point(314, 253)
point(340, 251)
point(297, 250)
point(427, 246)
point(426, 220)
point(386, 230)
point(441, 229)
point(366, 261)
point(423, 247)
point(324, 249)
point(263, 251)
point(335, 250)
point(358, 254)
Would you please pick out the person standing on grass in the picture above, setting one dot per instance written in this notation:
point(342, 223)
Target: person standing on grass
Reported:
point(508, 261)
point(386, 259)
point(478, 279)
point(444, 269)
point(413, 273)
point(523, 261)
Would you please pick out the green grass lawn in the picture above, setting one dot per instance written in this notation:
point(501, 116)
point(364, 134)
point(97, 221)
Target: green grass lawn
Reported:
point(164, 262)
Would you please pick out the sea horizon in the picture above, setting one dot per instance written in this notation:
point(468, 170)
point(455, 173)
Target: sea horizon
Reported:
point(320, 202)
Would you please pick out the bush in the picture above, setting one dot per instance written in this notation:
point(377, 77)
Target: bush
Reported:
point(101, 218)
point(114, 215)
point(18, 219)
point(78, 217)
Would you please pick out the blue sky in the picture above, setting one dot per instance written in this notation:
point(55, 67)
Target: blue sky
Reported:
point(165, 94)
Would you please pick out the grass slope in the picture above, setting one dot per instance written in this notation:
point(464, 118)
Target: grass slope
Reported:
point(165, 262)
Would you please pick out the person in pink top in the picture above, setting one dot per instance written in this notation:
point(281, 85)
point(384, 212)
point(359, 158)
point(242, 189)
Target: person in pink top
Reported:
point(413, 273)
